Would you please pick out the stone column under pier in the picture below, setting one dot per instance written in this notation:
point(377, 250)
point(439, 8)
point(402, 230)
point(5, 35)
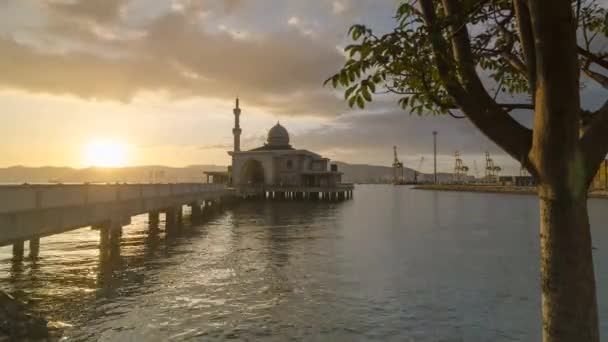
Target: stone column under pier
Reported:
point(18, 248)
point(110, 234)
point(196, 212)
point(173, 220)
point(34, 248)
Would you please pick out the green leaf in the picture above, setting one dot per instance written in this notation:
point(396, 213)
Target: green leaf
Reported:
point(343, 78)
point(366, 94)
point(349, 91)
point(351, 101)
point(371, 86)
point(403, 102)
point(360, 102)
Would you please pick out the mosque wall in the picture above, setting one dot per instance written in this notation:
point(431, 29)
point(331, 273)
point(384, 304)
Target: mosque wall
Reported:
point(239, 162)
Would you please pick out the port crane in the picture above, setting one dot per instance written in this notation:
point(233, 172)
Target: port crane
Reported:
point(417, 172)
point(398, 175)
point(460, 170)
point(492, 170)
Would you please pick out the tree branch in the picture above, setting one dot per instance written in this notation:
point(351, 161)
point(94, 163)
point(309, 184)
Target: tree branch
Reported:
point(526, 39)
point(599, 78)
point(471, 97)
point(593, 57)
point(594, 142)
point(516, 63)
point(513, 106)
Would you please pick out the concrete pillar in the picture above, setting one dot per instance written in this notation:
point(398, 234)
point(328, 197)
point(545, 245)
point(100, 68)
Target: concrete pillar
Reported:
point(153, 221)
point(115, 235)
point(153, 217)
point(173, 219)
point(179, 216)
point(104, 236)
point(34, 248)
point(169, 220)
point(104, 241)
point(196, 212)
point(18, 247)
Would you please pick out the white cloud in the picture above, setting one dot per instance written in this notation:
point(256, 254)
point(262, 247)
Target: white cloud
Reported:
point(293, 21)
point(339, 6)
point(234, 33)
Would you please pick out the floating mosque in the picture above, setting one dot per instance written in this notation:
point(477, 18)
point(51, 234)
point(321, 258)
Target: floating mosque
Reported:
point(277, 169)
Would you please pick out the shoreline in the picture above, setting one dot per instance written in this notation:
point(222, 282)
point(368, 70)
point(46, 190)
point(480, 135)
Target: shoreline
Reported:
point(496, 189)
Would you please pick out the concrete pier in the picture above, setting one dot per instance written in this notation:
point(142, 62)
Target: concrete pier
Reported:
point(336, 192)
point(29, 212)
point(196, 212)
point(154, 217)
point(170, 220)
point(18, 249)
point(34, 248)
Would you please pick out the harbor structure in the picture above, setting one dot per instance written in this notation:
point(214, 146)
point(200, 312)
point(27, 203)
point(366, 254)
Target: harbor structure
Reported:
point(30, 212)
point(278, 170)
point(398, 171)
point(460, 170)
point(492, 170)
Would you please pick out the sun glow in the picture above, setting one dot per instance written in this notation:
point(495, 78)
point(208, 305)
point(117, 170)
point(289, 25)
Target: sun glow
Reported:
point(106, 153)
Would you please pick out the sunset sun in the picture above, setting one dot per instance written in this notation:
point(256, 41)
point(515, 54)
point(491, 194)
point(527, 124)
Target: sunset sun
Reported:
point(106, 153)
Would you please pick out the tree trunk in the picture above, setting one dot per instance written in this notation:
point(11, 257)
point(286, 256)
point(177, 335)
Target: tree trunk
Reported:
point(568, 283)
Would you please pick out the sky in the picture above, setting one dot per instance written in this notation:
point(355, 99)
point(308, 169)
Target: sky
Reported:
point(158, 78)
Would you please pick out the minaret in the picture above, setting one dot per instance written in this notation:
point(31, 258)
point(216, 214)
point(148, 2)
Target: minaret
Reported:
point(236, 131)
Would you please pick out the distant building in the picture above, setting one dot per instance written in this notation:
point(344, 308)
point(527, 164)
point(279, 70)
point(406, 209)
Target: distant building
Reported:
point(217, 177)
point(525, 181)
point(277, 163)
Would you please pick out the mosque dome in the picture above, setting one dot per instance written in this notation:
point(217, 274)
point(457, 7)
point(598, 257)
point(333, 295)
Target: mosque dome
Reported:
point(278, 136)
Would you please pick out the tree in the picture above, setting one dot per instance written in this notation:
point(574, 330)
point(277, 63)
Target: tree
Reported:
point(454, 56)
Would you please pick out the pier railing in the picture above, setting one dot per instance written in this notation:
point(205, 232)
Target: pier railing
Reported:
point(33, 211)
point(17, 198)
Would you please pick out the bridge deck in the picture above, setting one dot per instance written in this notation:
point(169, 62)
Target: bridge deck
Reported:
point(28, 211)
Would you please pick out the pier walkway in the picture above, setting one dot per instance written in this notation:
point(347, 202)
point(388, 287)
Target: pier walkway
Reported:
point(29, 212)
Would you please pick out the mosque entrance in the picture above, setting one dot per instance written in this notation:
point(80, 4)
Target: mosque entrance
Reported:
point(253, 173)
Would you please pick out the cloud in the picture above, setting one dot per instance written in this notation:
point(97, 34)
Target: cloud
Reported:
point(370, 137)
point(224, 147)
point(274, 54)
point(339, 6)
point(281, 70)
point(101, 11)
point(294, 21)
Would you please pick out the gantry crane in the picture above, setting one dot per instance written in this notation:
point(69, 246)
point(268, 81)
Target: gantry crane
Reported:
point(417, 172)
point(460, 170)
point(492, 170)
point(398, 176)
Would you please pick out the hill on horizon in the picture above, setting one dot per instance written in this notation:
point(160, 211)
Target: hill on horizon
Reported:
point(353, 173)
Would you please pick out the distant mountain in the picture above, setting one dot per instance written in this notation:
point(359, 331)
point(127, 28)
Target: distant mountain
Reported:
point(353, 173)
point(364, 173)
point(137, 174)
